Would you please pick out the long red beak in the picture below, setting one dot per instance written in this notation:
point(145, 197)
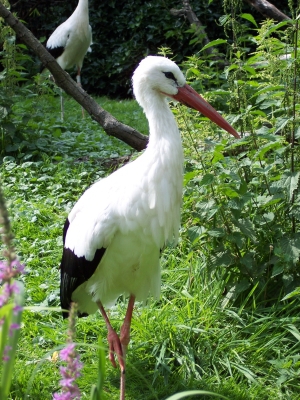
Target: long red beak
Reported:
point(189, 97)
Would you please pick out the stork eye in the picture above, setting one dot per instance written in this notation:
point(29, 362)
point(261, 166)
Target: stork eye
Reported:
point(170, 75)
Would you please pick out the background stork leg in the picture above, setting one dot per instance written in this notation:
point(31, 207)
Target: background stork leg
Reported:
point(62, 112)
point(78, 80)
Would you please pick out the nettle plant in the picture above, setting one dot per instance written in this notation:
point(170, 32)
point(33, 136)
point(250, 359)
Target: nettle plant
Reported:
point(244, 195)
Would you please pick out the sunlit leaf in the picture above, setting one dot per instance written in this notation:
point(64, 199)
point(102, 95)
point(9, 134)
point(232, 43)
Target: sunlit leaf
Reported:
point(213, 43)
point(249, 18)
point(187, 393)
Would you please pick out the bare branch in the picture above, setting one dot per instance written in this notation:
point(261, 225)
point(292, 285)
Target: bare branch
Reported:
point(110, 124)
point(268, 10)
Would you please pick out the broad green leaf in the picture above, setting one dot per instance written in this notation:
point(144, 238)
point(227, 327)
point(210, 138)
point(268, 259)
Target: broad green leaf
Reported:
point(232, 67)
point(249, 69)
point(297, 133)
point(290, 246)
point(278, 26)
point(217, 232)
point(277, 269)
point(207, 179)
point(213, 43)
point(230, 192)
point(225, 259)
point(189, 176)
point(281, 123)
point(194, 71)
point(249, 18)
point(195, 232)
point(248, 260)
point(265, 148)
point(291, 182)
point(246, 227)
point(223, 19)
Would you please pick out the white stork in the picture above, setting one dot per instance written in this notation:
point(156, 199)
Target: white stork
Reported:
point(114, 235)
point(71, 40)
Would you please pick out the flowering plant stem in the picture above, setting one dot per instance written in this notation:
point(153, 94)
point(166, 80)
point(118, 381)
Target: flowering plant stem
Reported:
point(11, 315)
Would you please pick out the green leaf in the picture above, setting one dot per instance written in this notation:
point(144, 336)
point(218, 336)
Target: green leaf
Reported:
point(281, 123)
point(249, 69)
point(187, 393)
point(229, 192)
point(189, 176)
point(217, 232)
point(249, 18)
point(278, 26)
point(265, 148)
point(277, 269)
point(97, 390)
point(291, 182)
point(294, 331)
point(195, 232)
point(290, 246)
point(213, 43)
point(223, 19)
point(246, 227)
point(294, 293)
point(207, 179)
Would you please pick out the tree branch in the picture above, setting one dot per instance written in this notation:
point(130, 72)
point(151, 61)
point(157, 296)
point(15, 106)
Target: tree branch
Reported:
point(268, 10)
point(188, 12)
point(110, 124)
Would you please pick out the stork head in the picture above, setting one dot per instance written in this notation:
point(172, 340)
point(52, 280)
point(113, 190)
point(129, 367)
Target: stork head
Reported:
point(162, 75)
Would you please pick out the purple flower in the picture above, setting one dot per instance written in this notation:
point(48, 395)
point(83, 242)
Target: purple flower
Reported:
point(69, 373)
point(67, 352)
point(12, 328)
point(62, 396)
point(17, 309)
point(5, 356)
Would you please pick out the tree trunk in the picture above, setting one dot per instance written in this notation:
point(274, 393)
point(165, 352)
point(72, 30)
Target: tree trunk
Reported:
point(268, 10)
point(110, 124)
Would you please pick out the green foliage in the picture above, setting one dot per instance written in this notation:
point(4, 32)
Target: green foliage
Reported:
point(245, 195)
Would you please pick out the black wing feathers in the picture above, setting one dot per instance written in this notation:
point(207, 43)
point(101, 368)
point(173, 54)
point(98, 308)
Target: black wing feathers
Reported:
point(75, 271)
point(56, 51)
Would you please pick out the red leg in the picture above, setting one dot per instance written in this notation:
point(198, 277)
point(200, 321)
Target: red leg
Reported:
point(125, 339)
point(113, 341)
point(118, 345)
point(78, 77)
point(125, 328)
point(78, 80)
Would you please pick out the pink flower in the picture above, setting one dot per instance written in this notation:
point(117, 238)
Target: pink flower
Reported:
point(70, 390)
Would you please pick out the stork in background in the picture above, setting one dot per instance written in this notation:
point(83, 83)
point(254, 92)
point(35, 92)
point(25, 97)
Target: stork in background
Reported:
point(70, 42)
point(114, 235)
